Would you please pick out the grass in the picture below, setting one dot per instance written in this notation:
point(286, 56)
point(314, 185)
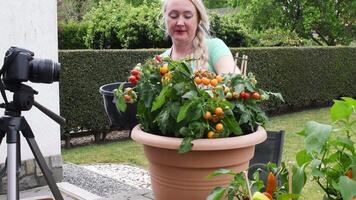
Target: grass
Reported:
point(117, 152)
point(132, 153)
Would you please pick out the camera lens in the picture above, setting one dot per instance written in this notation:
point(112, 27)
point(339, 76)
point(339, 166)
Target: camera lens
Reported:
point(44, 71)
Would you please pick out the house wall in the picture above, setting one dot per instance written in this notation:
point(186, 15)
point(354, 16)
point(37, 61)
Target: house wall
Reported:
point(33, 25)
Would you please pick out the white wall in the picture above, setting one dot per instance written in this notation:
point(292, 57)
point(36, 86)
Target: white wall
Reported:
point(32, 24)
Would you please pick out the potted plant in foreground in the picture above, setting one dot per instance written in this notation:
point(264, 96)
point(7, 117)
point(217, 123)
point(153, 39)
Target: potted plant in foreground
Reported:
point(189, 123)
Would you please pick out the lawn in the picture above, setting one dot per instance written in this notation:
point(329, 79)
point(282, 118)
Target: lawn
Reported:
point(132, 153)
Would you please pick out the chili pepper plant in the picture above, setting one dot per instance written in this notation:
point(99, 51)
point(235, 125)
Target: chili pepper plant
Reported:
point(277, 185)
point(175, 101)
point(332, 159)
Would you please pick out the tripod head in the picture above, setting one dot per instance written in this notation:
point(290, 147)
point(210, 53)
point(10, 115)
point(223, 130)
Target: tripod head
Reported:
point(20, 66)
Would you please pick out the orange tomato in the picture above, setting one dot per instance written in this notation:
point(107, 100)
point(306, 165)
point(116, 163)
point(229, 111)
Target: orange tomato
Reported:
point(205, 81)
point(214, 82)
point(219, 111)
point(163, 70)
point(211, 134)
point(207, 115)
point(197, 80)
point(219, 78)
point(219, 127)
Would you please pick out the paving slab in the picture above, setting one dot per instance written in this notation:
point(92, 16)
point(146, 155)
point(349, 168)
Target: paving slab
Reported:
point(68, 191)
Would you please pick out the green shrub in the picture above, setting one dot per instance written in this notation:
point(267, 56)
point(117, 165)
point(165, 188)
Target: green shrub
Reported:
point(227, 28)
point(71, 35)
point(278, 37)
point(116, 24)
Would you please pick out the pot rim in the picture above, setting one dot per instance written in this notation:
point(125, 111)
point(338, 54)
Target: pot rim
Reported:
point(149, 139)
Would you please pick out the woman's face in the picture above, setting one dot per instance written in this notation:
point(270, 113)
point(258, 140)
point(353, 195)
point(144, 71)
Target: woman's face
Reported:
point(182, 20)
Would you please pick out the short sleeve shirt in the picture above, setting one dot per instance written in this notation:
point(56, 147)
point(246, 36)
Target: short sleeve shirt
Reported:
point(216, 48)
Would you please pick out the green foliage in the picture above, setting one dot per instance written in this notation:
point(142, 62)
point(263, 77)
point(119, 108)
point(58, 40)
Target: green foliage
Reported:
point(228, 28)
point(71, 35)
point(325, 22)
point(137, 3)
point(73, 10)
point(220, 4)
point(330, 158)
point(277, 37)
point(177, 93)
point(116, 24)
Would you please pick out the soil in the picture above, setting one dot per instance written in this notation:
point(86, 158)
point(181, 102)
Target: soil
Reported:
point(89, 140)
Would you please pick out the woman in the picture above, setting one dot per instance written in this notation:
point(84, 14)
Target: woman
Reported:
point(187, 23)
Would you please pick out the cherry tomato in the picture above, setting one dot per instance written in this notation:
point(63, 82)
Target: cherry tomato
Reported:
point(256, 96)
point(207, 115)
point(218, 111)
point(214, 82)
point(135, 72)
point(158, 58)
point(244, 95)
point(127, 98)
point(219, 127)
point(133, 80)
point(211, 134)
point(197, 80)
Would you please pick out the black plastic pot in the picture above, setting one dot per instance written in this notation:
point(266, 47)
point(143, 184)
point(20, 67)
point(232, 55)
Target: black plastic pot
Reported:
point(118, 120)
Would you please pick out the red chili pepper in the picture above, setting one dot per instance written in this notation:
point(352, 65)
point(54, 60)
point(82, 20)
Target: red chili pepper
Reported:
point(349, 173)
point(271, 183)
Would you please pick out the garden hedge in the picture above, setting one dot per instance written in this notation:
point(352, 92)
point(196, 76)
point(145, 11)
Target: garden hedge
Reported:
point(306, 77)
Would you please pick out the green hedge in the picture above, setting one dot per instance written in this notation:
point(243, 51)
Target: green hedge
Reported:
point(306, 77)
point(82, 73)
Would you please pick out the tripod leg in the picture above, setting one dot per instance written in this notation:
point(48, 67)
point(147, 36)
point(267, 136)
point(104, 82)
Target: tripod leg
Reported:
point(27, 132)
point(12, 161)
point(44, 168)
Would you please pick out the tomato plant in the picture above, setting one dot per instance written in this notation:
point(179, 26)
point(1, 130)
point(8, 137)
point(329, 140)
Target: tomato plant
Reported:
point(175, 101)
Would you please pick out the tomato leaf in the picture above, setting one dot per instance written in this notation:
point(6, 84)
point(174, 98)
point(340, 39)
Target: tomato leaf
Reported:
point(219, 172)
point(160, 99)
point(119, 99)
point(186, 145)
point(232, 125)
point(183, 110)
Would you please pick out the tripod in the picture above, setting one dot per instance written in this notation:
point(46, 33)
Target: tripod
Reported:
point(11, 124)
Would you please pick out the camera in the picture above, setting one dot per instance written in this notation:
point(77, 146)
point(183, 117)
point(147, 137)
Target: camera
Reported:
point(20, 66)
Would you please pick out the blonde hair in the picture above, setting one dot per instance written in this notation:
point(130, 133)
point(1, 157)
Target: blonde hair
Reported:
point(200, 49)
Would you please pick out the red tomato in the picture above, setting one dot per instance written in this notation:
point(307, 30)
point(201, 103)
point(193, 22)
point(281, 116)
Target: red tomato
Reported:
point(133, 80)
point(244, 95)
point(158, 58)
point(256, 96)
point(135, 72)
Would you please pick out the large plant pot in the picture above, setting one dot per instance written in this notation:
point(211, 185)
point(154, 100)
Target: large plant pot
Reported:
point(126, 120)
point(177, 176)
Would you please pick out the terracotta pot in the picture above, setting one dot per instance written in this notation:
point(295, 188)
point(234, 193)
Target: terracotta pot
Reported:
point(177, 176)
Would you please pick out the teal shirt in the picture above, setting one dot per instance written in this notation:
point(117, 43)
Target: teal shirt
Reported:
point(216, 48)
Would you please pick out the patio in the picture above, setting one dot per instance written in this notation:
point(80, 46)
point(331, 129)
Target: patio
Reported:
point(79, 183)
